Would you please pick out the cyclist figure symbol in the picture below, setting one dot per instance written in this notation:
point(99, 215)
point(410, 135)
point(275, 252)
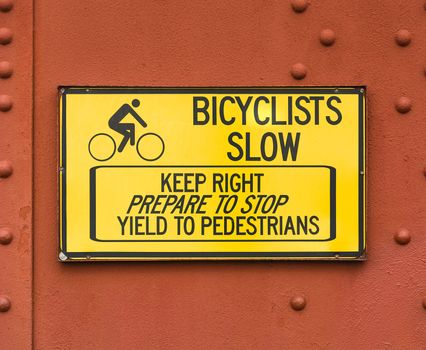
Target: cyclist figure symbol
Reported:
point(150, 146)
point(126, 129)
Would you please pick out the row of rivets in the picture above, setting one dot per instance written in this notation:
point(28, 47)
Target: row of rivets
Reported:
point(403, 38)
point(298, 303)
point(6, 169)
point(403, 105)
point(327, 37)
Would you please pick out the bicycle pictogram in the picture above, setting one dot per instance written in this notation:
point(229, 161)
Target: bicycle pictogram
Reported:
point(149, 146)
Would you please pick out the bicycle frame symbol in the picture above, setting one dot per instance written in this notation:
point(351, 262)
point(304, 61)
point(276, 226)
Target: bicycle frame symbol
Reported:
point(102, 146)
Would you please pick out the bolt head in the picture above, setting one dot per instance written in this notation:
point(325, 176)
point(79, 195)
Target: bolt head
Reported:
point(298, 303)
point(5, 235)
point(62, 256)
point(5, 168)
point(402, 237)
point(5, 303)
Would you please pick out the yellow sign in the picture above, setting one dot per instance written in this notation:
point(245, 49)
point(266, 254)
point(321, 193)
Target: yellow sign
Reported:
point(222, 173)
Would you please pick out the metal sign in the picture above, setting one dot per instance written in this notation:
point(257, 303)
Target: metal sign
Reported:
point(223, 173)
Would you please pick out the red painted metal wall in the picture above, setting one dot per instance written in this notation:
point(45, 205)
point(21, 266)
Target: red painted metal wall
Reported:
point(376, 304)
point(16, 231)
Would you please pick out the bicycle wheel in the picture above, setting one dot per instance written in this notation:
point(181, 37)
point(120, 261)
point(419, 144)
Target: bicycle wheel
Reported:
point(102, 147)
point(150, 146)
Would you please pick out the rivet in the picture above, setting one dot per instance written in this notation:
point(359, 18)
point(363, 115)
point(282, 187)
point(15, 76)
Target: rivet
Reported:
point(327, 37)
point(5, 36)
point(298, 303)
point(5, 303)
point(402, 236)
point(403, 105)
point(6, 69)
point(403, 37)
point(5, 103)
point(6, 168)
point(298, 71)
point(299, 5)
point(6, 5)
point(5, 235)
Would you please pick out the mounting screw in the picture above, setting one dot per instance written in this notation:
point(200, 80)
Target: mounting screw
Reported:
point(62, 256)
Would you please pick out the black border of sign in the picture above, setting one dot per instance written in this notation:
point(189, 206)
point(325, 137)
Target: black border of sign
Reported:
point(82, 256)
point(93, 202)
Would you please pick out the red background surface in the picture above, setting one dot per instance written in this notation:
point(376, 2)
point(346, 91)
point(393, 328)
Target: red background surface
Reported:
point(376, 304)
